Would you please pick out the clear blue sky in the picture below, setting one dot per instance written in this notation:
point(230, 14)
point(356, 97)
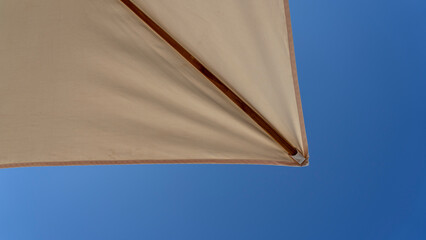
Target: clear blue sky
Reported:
point(362, 73)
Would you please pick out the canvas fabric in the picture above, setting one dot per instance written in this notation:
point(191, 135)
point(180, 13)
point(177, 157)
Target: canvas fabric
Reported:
point(86, 82)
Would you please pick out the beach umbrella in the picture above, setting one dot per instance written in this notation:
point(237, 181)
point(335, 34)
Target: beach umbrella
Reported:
point(148, 82)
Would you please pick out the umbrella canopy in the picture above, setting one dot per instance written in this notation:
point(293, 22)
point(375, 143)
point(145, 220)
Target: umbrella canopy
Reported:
point(148, 81)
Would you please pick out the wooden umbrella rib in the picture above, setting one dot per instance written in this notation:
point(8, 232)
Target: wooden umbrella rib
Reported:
point(267, 127)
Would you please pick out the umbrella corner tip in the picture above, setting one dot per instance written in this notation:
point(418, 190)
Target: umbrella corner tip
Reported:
point(298, 157)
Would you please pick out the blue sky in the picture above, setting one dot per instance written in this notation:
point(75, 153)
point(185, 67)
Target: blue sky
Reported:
point(362, 74)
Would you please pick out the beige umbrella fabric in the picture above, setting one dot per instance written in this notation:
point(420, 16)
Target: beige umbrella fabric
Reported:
point(88, 82)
